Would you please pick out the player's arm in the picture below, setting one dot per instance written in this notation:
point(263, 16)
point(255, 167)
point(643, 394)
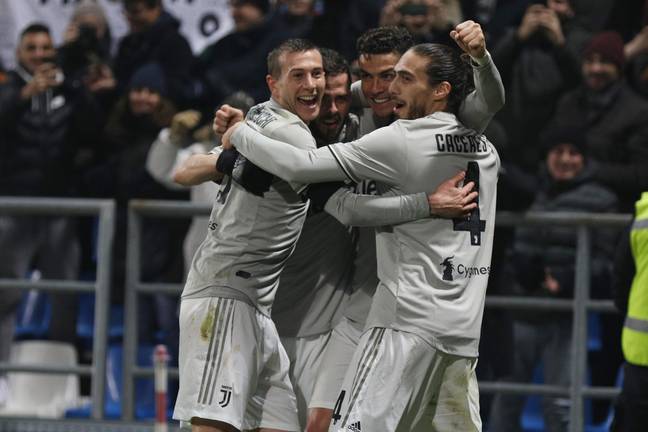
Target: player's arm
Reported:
point(378, 156)
point(165, 158)
point(354, 209)
point(200, 168)
point(481, 104)
point(293, 164)
point(450, 200)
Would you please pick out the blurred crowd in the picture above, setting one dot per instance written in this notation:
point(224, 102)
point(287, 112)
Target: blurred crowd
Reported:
point(79, 120)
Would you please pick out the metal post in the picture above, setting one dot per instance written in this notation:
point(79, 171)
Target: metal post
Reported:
point(579, 328)
point(130, 313)
point(161, 363)
point(102, 306)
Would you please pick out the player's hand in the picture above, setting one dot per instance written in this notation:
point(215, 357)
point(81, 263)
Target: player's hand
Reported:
point(470, 38)
point(451, 199)
point(225, 117)
point(181, 125)
point(225, 140)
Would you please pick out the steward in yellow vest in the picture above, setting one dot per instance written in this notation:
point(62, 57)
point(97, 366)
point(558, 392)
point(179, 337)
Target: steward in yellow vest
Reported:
point(632, 412)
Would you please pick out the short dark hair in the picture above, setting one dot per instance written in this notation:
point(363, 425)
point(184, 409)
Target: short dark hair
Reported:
point(334, 63)
point(149, 4)
point(447, 64)
point(35, 28)
point(385, 40)
point(289, 46)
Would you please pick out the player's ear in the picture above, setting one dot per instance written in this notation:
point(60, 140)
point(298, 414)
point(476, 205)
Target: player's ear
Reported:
point(272, 83)
point(442, 90)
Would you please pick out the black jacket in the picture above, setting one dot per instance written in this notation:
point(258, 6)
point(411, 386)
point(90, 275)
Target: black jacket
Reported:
point(617, 137)
point(537, 248)
point(162, 43)
point(238, 61)
point(41, 138)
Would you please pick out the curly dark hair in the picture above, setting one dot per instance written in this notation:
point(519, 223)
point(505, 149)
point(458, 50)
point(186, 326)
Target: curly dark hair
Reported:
point(385, 40)
point(334, 63)
point(447, 64)
point(289, 46)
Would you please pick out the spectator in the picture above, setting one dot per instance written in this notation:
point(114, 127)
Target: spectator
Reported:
point(631, 298)
point(541, 262)
point(43, 121)
point(85, 55)
point(154, 38)
point(296, 16)
point(614, 118)
point(238, 61)
point(173, 146)
point(341, 23)
point(133, 125)
point(636, 53)
point(538, 63)
point(426, 20)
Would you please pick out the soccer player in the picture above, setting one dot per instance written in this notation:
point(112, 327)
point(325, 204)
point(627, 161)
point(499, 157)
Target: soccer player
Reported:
point(233, 370)
point(380, 50)
point(315, 279)
point(422, 336)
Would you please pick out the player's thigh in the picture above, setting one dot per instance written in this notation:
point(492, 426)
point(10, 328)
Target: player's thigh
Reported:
point(370, 397)
point(455, 402)
point(273, 405)
point(334, 364)
point(229, 361)
point(391, 381)
point(305, 355)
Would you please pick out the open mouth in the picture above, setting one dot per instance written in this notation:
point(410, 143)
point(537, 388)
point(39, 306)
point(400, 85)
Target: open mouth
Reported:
point(380, 100)
point(331, 121)
point(309, 101)
point(398, 106)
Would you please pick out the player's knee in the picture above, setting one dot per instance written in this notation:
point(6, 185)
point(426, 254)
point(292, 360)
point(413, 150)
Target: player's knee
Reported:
point(205, 425)
point(319, 419)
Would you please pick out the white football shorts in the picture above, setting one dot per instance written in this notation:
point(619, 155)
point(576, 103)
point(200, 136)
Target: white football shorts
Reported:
point(397, 382)
point(232, 366)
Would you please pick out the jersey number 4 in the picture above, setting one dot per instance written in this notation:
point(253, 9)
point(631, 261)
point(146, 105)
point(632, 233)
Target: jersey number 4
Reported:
point(471, 223)
point(338, 407)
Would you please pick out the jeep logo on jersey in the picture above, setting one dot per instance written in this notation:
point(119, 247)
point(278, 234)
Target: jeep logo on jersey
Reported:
point(462, 271)
point(448, 267)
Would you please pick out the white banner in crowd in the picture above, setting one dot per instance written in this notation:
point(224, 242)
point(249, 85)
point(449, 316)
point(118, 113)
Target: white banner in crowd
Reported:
point(203, 21)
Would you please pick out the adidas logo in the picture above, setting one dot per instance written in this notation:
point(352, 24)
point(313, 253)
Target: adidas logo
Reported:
point(354, 427)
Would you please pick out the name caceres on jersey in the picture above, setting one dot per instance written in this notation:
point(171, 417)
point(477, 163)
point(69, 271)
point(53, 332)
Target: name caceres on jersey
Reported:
point(433, 272)
point(250, 237)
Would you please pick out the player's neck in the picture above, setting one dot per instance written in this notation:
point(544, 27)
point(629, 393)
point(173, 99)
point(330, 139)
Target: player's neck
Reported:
point(436, 106)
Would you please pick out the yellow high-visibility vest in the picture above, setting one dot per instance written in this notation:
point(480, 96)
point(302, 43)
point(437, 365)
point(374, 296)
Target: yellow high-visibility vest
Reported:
point(634, 339)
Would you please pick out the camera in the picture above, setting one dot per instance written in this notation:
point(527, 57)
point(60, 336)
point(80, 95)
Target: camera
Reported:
point(85, 50)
